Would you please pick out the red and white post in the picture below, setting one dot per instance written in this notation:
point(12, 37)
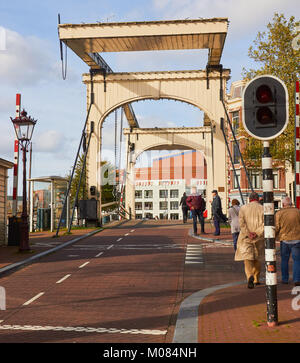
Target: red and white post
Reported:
point(16, 161)
point(297, 148)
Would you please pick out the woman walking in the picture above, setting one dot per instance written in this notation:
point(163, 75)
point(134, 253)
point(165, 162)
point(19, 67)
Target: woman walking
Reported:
point(233, 219)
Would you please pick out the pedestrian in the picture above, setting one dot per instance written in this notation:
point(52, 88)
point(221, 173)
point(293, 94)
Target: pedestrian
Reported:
point(250, 244)
point(197, 206)
point(287, 222)
point(184, 207)
point(217, 213)
point(233, 219)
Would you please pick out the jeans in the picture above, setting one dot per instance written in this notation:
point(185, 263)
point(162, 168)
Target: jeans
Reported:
point(217, 226)
point(285, 250)
point(197, 213)
point(184, 213)
point(235, 237)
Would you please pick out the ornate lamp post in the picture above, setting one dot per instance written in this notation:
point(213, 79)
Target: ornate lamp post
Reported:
point(24, 126)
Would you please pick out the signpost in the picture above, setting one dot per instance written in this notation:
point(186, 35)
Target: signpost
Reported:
point(265, 117)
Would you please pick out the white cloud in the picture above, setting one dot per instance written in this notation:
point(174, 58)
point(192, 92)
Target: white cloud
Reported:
point(26, 60)
point(29, 61)
point(242, 14)
point(50, 141)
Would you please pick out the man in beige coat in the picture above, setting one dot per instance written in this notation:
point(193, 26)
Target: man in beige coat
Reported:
point(250, 244)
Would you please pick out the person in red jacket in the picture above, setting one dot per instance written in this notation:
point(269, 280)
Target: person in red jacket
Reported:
point(197, 206)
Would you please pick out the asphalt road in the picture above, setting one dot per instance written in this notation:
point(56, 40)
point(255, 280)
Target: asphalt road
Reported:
point(121, 285)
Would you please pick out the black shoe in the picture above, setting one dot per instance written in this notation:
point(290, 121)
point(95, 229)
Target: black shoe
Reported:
point(257, 283)
point(250, 282)
point(285, 282)
point(203, 232)
point(297, 283)
point(216, 234)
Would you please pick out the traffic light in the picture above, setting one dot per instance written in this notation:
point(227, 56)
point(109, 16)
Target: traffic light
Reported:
point(93, 190)
point(265, 107)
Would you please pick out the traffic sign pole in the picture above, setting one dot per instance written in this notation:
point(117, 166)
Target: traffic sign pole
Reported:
point(269, 236)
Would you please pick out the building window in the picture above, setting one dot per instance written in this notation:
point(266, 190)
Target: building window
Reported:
point(275, 180)
point(236, 152)
point(238, 174)
point(174, 205)
point(138, 206)
point(174, 193)
point(138, 216)
point(163, 205)
point(174, 216)
point(148, 206)
point(138, 194)
point(163, 193)
point(148, 193)
point(255, 178)
point(235, 121)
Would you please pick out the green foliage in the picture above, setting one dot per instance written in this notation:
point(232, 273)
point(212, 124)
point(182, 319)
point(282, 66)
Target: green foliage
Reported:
point(273, 51)
point(106, 190)
point(83, 192)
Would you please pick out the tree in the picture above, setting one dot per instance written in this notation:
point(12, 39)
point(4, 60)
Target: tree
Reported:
point(273, 50)
point(106, 189)
point(83, 192)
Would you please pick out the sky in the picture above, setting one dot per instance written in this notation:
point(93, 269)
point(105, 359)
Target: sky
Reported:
point(30, 64)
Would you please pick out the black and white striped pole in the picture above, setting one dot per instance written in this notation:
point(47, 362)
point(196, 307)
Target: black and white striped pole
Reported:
point(265, 117)
point(269, 236)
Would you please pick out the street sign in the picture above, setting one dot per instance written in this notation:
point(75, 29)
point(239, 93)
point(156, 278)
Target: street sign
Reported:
point(265, 107)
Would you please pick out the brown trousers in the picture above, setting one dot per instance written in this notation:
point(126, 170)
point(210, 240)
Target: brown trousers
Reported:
point(252, 268)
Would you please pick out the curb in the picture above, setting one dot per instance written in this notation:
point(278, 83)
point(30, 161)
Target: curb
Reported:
point(186, 329)
point(217, 240)
point(17, 265)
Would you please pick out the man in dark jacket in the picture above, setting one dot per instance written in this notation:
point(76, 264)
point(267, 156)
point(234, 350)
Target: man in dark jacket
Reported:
point(216, 209)
point(184, 207)
point(197, 206)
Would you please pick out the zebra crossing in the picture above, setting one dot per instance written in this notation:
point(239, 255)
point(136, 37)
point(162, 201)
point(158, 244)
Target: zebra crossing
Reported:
point(194, 254)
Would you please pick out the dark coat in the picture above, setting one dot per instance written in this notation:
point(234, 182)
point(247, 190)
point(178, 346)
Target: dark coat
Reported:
point(216, 209)
point(183, 201)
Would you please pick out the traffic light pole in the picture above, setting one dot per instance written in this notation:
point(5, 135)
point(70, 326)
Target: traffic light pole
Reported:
point(269, 237)
point(297, 147)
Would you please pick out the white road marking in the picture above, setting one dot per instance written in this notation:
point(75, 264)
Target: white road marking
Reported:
point(99, 254)
point(126, 234)
point(34, 298)
point(118, 240)
point(84, 264)
point(194, 254)
point(83, 329)
point(132, 230)
point(63, 279)
point(109, 247)
point(73, 255)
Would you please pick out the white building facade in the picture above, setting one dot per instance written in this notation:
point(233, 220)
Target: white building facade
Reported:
point(160, 199)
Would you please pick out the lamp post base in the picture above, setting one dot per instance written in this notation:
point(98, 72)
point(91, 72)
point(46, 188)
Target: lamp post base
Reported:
point(24, 231)
point(272, 324)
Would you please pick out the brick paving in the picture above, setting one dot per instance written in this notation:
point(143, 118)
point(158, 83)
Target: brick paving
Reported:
point(134, 289)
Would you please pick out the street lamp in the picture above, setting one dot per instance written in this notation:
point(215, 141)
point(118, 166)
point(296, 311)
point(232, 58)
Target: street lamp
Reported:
point(24, 126)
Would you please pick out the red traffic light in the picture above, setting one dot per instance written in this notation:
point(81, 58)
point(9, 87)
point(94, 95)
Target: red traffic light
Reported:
point(265, 116)
point(264, 94)
point(265, 107)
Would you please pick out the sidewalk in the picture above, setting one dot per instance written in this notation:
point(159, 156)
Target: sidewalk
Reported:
point(229, 312)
